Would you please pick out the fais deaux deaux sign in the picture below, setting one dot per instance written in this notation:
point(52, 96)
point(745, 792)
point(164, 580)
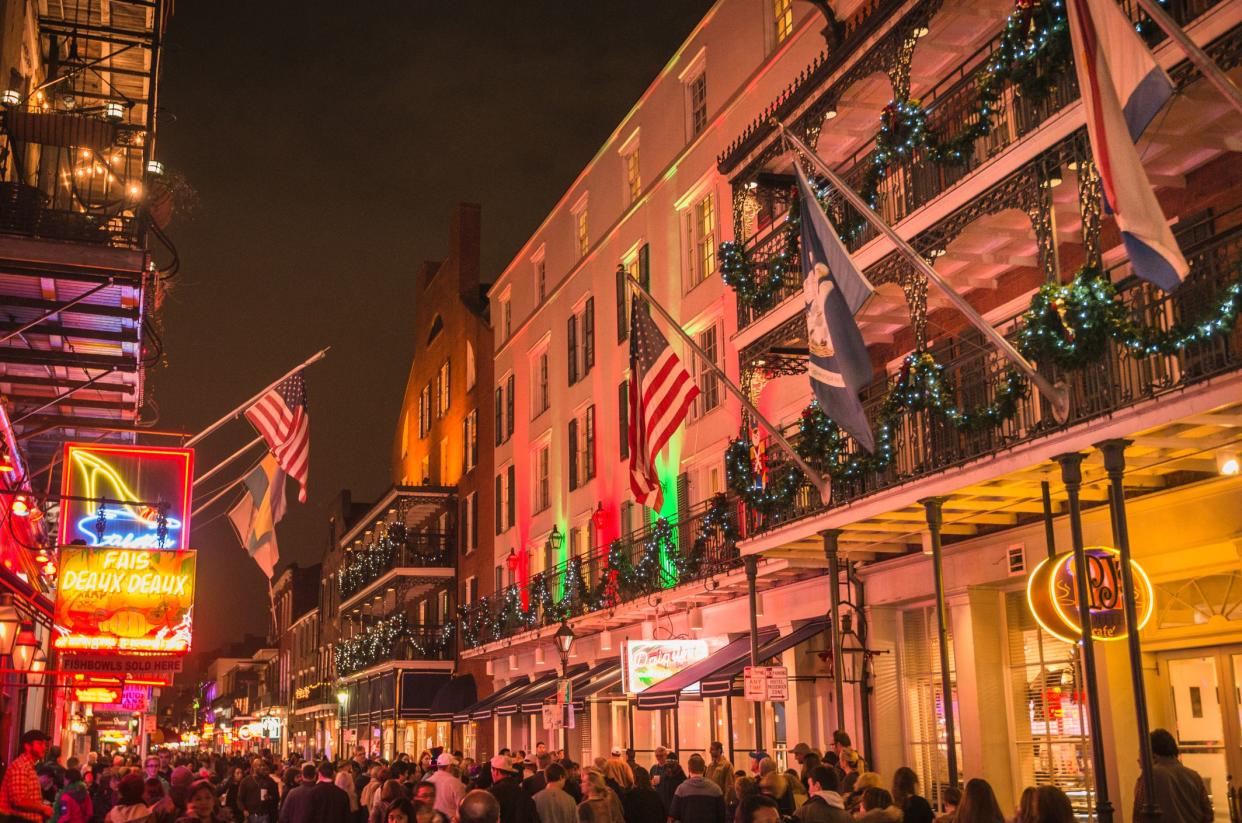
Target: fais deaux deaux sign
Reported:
point(645, 663)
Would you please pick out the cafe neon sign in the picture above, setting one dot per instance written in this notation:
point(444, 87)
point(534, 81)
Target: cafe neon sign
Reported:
point(126, 496)
point(1052, 595)
point(647, 662)
point(127, 600)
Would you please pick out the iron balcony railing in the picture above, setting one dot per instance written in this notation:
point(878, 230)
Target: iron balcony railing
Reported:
point(912, 182)
point(395, 549)
point(926, 444)
point(392, 639)
point(315, 695)
point(659, 557)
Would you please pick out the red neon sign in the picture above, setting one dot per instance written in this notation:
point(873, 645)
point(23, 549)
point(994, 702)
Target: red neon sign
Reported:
point(126, 496)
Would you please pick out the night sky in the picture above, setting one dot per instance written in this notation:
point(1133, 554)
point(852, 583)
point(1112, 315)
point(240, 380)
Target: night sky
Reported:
point(327, 149)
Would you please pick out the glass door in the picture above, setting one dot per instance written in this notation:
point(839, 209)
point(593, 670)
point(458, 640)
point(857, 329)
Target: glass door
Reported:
point(1206, 719)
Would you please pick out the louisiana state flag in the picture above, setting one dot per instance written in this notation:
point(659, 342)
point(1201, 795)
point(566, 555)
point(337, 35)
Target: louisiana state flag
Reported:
point(1122, 90)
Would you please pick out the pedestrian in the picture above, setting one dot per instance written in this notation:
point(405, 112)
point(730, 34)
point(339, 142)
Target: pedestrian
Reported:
point(369, 796)
point(697, 799)
point(329, 803)
point(20, 793)
point(720, 771)
point(230, 789)
point(73, 802)
point(390, 792)
point(776, 786)
point(344, 781)
point(824, 803)
point(516, 806)
point(600, 802)
point(757, 808)
point(796, 787)
point(573, 780)
point(129, 807)
point(258, 796)
point(914, 809)
point(201, 804)
point(851, 768)
point(877, 807)
point(551, 802)
point(950, 799)
point(979, 803)
point(1178, 790)
point(658, 774)
point(479, 806)
point(539, 780)
point(103, 796)
point(449, 790)
point(295, 806)
point(161, 805)
point(619, 777)
point(864, 781)
point(642, 802)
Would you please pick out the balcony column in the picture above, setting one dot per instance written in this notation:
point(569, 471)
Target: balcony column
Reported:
point(935, 519)
point(751, 564)
point(831, 536)
point(1115, 464)
point(1040, 208)
point(1090, 192)
point(1071, 476)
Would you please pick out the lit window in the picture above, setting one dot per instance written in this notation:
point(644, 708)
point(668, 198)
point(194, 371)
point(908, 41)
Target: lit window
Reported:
point(581, 235)
point(698, 104)
point(542, 484)
point(782, 11)
point(706, 378)
point(541, 278)
point(506, 313)
point(701, 237)
point(539, 390)
point(442, 389)
point(633, 177)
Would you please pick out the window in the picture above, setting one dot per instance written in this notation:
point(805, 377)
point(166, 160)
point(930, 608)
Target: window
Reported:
point(581, 350)
point(633, 177)
point(540, 395)
point(582, 448)
point(782, 12)
point(582, 237)
point(424, 470)
point(509, 401)
point(470, 522)
point(704, 375)
point(925, 700)
point(701, 239)
point(539, 261)
point(500, 504)
point(542, 478)
point(499, 415)
point(444, 604)
point(471, 370)
point(623, 417)
point(470, 440)
point(471, 590)
point(442, 469)
point(511, 495)
point(573, 454)
point(506, 318)
point(499, 582)
point(424, 411)
point(442, 389)
point(696, 94)
point(638, 268)
point(588, 443)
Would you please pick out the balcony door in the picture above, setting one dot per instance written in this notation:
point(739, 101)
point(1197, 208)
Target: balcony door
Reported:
point(1206, 717)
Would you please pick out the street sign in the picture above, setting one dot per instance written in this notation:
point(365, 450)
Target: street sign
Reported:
point(148, 723)
point(766, 683)
point(553, 715)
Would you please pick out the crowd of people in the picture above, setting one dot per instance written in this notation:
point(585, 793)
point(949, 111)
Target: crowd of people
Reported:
point(829, 786)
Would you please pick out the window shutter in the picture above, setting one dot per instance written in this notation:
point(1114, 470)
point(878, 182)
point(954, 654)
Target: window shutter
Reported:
point(683, 507)
point(509, 415)
point(623, 330)
point(644, 266)
point(573, 454)
point(588, 336)
point(512, 495)
point(627, 518)
point(465, 441)
point(474, 522)
point(572, 333)
point(623, 417)
point(589, 443)
point(500, 415)
point(500, 499)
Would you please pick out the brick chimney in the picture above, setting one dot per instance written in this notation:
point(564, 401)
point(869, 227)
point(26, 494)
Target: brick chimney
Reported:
point(464, 241)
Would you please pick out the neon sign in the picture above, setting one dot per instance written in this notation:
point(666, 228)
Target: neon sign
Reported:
point(135, 600)
point(1052, 595)
point(126, 496)
point(647, 662)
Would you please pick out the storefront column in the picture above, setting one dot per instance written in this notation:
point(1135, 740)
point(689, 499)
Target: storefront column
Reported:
point(751, 563)
point(935, 519)
point(979, 661)
point(1071, 476)
point(834, 598)
point(1115, 464)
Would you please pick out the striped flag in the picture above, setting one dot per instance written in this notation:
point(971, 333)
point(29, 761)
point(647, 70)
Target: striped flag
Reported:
point(255, 516)
point(834, 290)
point(661, 391)
point(283, 420)
point(1123, 88)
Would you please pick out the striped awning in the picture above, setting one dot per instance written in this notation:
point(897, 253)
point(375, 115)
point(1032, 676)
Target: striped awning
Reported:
point(721, 683)
point(483, 709)
point(665, 694)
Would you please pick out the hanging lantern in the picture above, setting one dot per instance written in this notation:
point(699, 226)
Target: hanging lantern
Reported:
point(27, 644)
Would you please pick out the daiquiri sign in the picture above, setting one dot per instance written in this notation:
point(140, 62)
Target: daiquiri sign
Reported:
point(646, 662)
point(1052, 594)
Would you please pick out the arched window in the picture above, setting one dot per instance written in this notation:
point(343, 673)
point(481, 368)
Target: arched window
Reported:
point(437, 326)
point(470, 374)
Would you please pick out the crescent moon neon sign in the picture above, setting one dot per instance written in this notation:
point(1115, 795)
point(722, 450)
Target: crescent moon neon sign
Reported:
point(1052, 595)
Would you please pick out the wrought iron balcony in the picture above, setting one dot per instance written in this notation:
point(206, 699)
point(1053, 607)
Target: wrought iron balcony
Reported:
point(316, 695)
point(393, 639)
point(396, 548)
point(926, 444)
point(662, 556)
point(911, 182)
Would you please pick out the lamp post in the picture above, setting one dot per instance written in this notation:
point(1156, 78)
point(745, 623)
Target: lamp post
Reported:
point(564, 638)
point(342, 699)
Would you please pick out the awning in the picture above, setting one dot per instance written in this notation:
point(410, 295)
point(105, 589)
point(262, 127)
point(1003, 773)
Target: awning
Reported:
point(418, 689)
point(720, 684)
point(483, 709)
point(454, 696)
point(664, 695)
point(581, 676)
point(603, 677)
point(545, 684)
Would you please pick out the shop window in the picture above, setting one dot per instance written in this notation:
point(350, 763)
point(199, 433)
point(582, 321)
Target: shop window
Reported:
point(1051, 734)
point(924, 701)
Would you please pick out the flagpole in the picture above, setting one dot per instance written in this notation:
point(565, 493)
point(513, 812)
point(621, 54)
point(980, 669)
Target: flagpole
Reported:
point(216, 468)
point(825, 488)
point(1057, 396)
point(235, 413)
point(1212, 72)
point(219, 495)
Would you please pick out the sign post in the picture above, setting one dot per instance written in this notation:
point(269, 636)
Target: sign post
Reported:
point(766, 684)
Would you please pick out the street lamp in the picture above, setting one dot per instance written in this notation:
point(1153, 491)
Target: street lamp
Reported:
point(564, 638)
point(26, 645)
point(10, 621)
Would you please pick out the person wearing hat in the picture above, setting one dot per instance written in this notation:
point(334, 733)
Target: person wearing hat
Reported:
point(449, 790)
point(20, 793)
point(516, 804)
point(756, 757)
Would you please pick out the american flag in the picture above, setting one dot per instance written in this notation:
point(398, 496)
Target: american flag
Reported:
point(661, 391)
point(282, 418)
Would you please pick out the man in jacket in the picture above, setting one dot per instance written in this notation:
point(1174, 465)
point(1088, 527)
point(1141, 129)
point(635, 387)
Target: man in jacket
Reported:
point(552, 802)
point(1179, 791)
point(720, 772)
point(296, 807)
point(258, 795)
point(824, 804)
point(697, 799)
point(329, 803)
point(516, 806)
point(21, 797)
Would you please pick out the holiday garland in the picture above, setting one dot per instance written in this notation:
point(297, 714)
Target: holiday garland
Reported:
point(371, 561)
point(760, 285)
point(382, 640)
